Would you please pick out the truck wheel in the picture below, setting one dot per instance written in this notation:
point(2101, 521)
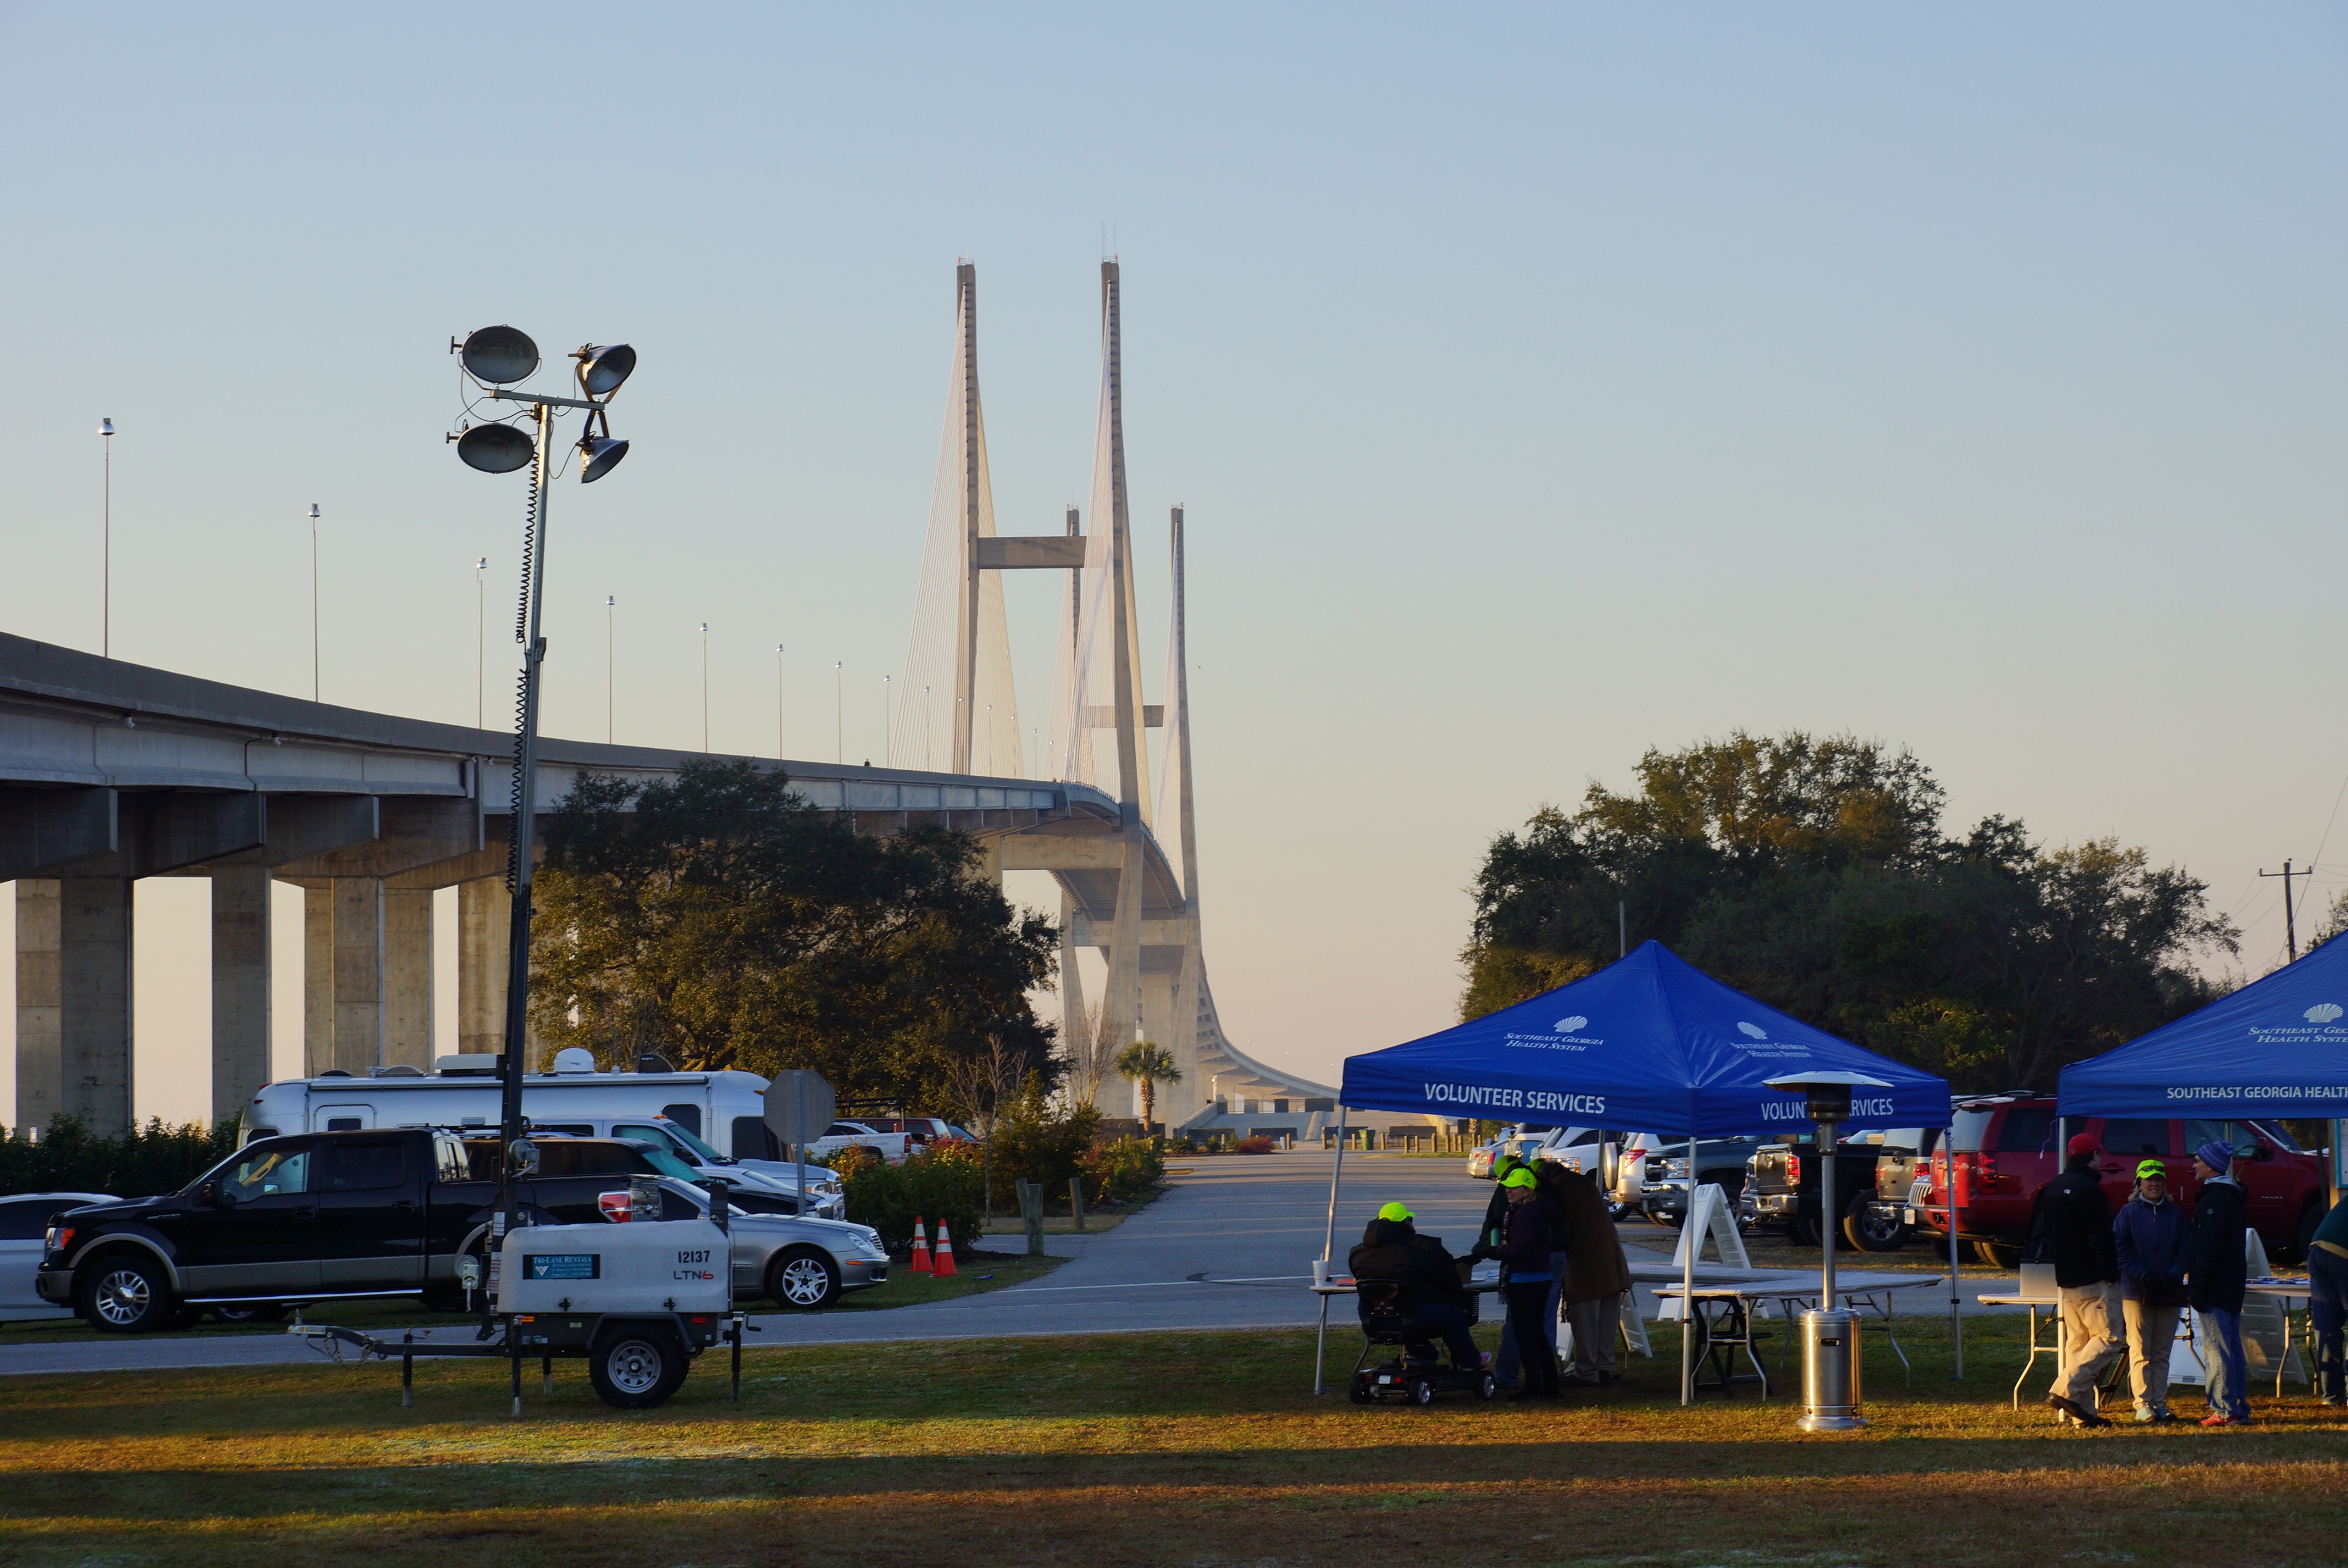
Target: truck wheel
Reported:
point(1998, 1254)
point(636, 1366)
point(804, 1278)
point(1873, 1228)
point(124, 1293)
point(1802, 1230)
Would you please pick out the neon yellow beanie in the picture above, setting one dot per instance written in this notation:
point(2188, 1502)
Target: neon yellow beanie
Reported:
point(1395, 1212)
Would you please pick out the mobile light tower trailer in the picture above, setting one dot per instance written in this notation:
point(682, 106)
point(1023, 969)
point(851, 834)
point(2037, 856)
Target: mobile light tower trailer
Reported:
point(638, 1298)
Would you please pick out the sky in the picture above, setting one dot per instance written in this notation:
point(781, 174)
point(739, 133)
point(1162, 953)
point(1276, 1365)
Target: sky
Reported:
point(1543, 384)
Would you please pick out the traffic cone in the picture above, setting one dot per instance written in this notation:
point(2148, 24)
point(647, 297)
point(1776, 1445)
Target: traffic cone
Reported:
point(920, 1250)
point(945, 1262)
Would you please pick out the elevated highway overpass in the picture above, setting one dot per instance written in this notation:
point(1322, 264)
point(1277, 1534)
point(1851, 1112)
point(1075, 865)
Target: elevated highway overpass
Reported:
point(111, 772)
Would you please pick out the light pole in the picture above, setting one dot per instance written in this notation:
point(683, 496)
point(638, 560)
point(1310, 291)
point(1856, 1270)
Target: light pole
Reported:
point(704, 686)
point(494, 358)
point(887, 741)
point(105, 548)
point(838, 712)
point(778, 701)
point(925, 728)
point(313, 602)
point(480, 644)
point(610, 613)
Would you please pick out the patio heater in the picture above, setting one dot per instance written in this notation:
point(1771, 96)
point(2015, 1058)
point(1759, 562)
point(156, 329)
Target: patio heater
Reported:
point(1830, 1362)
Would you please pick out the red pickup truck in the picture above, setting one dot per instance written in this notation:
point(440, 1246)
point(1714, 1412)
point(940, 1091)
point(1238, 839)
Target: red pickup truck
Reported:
point(2007, 1146)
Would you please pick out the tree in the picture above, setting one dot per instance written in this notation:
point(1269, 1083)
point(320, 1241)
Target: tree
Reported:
point(1149, 1064)
point(986, 1085)
point(1814, 875)
point(722, 921)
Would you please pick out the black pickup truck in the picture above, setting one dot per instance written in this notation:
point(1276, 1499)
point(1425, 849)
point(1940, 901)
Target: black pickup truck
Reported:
point(314, 1216)
point(1784, 1188)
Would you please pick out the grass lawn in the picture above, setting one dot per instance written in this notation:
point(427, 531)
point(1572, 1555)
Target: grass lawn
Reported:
point(1164, 1449)
point(977, 1272)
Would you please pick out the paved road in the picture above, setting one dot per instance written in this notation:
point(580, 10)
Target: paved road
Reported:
point(1231, 1247)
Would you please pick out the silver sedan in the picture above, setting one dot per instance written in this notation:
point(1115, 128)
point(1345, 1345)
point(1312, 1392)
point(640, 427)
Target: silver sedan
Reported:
point(798, 1262)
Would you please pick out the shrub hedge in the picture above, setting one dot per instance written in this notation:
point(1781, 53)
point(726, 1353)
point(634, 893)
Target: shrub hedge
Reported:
point(139, 1163)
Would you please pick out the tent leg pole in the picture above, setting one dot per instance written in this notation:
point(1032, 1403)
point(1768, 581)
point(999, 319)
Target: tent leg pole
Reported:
point(1956, 1297)
point(1688, 1284)
point(1329, 1245)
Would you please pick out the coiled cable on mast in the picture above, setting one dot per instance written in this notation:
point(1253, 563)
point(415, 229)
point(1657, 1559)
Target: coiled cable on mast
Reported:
point(522, 690)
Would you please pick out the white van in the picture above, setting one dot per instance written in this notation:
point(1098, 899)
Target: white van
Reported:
point(724, 1112)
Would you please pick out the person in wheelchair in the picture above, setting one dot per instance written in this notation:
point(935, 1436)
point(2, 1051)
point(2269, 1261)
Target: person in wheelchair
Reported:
point(1431, 1291)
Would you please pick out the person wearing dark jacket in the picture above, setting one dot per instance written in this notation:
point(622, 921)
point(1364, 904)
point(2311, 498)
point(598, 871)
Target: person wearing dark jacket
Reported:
point(1392, 1249)
point(2327, 1280)
point(1551, 1201)
point(2072, 1220)
point(2149, 1235)
point(1597, 1275)
point(1525, 1278)
point(2216, 1266)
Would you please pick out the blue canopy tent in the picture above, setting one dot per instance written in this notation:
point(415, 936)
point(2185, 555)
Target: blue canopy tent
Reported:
point(2278, 1047)
point(1649, 1044)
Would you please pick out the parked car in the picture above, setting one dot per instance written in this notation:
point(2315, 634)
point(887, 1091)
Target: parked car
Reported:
point(24, 1225)
point(1784, 1183)
point(1719, 1161)
point(383, 1213)
point(1880, 1224)
point(2007, 1146)
point(1525, 1143)
point(922, 1130)
point(761, 1187)
point(893, 1147)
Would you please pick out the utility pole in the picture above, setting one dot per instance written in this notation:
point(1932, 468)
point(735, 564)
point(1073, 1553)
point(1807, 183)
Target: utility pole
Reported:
point(611, 662)
point(313, 602)
point(2290, 924)
point(106, 566)
point(480, 643)
point(705, 685)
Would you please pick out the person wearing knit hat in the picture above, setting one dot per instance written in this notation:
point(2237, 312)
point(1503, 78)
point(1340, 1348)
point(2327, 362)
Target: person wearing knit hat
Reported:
point(2217, 1266)
point(2072, 1225)
point(2149, 1235)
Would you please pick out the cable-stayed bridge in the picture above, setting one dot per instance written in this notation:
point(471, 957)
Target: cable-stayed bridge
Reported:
point(111, 772)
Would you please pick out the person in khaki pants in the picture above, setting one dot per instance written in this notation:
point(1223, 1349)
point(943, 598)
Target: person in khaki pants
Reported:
point(2150, 1236)
point(2073, 1220)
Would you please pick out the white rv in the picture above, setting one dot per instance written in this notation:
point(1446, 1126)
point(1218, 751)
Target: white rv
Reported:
point(721, 1115)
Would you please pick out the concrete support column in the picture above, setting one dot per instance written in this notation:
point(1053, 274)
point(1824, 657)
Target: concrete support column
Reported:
point(1072, 979)
point(484, 927)
point(40, 1001)
point(1121, 991)
point(317, 979)
point(72, 1002)
point(990, 860)
point(240, 988)
point(357, 903)
point(1159, 1026)
point(407, 979)
point(1182, 1041)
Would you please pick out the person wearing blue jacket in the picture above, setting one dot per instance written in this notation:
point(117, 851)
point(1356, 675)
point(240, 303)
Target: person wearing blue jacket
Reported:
point(2149, 1234)
point(2215, 1268)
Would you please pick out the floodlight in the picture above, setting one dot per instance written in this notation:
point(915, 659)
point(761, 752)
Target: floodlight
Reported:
point(599, 456)
point(603, 366)
point(496, 448)
point(498, 355)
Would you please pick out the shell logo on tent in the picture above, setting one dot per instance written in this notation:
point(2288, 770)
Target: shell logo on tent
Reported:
point(1752, 1031)
point(1568, 1025)
point(2323, 1012)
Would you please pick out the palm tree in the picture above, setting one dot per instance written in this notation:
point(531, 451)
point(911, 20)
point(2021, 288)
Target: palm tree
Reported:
point(1150, 1065)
